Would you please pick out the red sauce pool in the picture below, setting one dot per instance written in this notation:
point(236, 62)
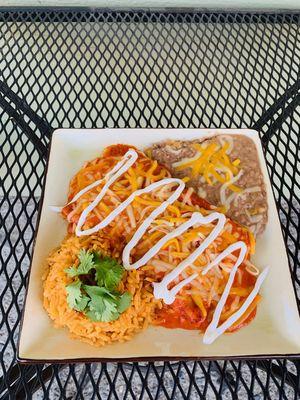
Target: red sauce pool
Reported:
point(183, 313)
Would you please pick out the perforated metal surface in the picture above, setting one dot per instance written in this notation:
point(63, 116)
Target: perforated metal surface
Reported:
point(123, 69)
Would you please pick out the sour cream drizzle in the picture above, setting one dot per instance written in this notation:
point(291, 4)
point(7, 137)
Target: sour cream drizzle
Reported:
point(161, 290)
point(119, 169)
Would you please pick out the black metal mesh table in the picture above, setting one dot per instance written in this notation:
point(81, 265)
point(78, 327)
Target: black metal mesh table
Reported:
point(92, 68)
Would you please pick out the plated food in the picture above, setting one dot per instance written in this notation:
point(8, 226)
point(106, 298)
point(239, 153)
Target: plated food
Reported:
point(147, 245)
point(101, 308)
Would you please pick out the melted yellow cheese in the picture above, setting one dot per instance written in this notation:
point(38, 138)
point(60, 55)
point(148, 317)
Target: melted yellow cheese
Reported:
point(212, 163)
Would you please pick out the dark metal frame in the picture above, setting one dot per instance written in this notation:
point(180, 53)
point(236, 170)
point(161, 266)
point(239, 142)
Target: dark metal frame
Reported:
point(28, 121)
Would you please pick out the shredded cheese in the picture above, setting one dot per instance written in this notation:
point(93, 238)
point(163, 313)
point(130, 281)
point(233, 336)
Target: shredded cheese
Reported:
point(227, 201)
point(213, 164)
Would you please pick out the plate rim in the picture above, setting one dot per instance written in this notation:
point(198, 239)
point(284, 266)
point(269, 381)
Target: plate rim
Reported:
point(29, 361)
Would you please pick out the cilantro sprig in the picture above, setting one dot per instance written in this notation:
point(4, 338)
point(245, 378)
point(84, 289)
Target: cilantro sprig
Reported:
point(108, 272)
point(100, 302)
point(86, 263)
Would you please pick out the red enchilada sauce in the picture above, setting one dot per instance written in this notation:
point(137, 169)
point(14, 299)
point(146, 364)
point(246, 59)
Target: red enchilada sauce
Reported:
point(185, 314)
point(182, 313)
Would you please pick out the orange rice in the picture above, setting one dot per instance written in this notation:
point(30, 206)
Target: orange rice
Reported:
point(135, 319)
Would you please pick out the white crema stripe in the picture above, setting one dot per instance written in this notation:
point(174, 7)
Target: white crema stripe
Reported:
point(119, 169)
point(213, 331)
point(127, 161)
point(161, 290)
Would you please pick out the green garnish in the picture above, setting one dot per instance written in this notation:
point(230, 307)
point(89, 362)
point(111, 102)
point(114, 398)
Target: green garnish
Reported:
point(108, 272)
point(76, 299)
point(103, 305)
point(101, 302)
point(86, 263)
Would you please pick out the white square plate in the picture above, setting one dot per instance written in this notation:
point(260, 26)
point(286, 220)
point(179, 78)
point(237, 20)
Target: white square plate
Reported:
point(274, 332)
